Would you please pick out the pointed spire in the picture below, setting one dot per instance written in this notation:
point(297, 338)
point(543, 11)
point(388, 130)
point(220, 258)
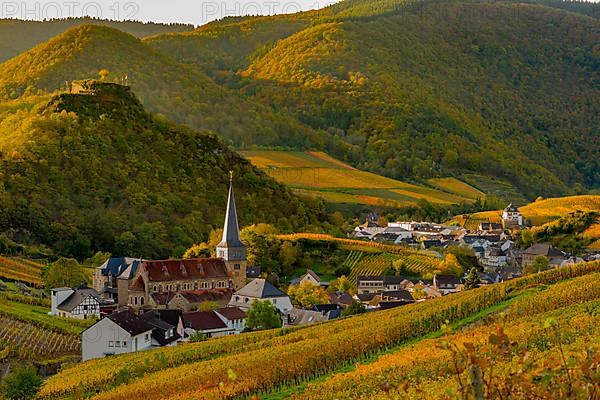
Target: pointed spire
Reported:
point(231, 231)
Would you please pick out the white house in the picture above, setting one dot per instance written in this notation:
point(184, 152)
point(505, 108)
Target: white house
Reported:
point(119, 333)
point(79, 303)
point(221, 322)
point(447, 283)
point(511, 217)
point(310, 277)
point(262, 290)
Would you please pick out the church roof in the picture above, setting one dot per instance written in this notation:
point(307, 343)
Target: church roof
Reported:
point(181, 270)
point(231, 231)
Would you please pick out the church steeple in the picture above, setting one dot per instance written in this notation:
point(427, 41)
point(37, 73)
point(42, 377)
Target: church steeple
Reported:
point(231, 247)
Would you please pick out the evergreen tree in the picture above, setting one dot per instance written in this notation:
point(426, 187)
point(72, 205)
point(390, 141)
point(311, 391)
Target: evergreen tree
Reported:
point(473, 280)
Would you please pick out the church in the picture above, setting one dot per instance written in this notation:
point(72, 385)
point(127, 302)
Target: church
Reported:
point(185, 283)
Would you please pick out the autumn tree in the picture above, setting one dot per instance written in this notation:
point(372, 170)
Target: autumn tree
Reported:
point(341, 284)
point(307, 294)
point(104, 73)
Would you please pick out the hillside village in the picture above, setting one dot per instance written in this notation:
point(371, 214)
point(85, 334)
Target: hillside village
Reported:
point(141, 304)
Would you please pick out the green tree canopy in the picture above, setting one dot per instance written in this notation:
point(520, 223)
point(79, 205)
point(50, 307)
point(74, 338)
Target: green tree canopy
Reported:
point(66, 272)
point(263, 315)
point(472, 280)
point(354, 309)
point(21, 384)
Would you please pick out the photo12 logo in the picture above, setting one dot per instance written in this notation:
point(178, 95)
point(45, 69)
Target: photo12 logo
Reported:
point(69, 9)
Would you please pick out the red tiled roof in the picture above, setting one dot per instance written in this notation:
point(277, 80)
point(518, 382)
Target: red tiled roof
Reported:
point(203, 320)
point(198, 296)
point(138, 285)
point(180, 270)
point(232, 313)
point(164, 298)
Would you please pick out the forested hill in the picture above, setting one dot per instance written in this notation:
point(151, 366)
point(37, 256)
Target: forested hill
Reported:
point(182, 93)
point(420, 89)
point(17, 36)
point(500, 91)
point(85, 172)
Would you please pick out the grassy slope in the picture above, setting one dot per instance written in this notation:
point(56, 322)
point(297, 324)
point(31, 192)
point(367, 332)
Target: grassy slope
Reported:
point(323, 176)
point(284, 351)
point(544, 211)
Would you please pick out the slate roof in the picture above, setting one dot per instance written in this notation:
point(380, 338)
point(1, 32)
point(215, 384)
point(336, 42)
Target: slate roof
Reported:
point(301, 317)
point(365, 297)
point(130, 322)
point(543, 249)
point(261, 289)
point(511, 208)
point(231, 231)
point(447, 280)
point(160, 327)
point(197, 268)
point(116, 266)
point(203, 320)
point(77, 297)
point(400, 295)
point(340, 298)
point(325, 308)
point(386, 305)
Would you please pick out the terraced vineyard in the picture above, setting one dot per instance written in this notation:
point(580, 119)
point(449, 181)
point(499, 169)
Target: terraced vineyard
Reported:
point(373, 265)
point(17, 269)
point(372, 258)
point(27, 341)
point(291, 359)
point(318, 174)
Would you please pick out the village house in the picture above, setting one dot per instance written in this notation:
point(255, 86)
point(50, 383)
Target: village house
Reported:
point(216, 323)
point(511, 217)
point(125, 332)
point(261, 290)
point(554, 256)
point(310, 277)
point(377, 284)
point(447, 283)
point(79, 303)
point(113, 279)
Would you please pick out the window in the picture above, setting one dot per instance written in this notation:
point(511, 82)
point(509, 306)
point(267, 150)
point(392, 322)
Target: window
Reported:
point(117, 344)
point(147, 337)
point(195, 285)
point(236, 266)
point(111, 343)
point(141, 301)
point(274, 301)
point(124, 344)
